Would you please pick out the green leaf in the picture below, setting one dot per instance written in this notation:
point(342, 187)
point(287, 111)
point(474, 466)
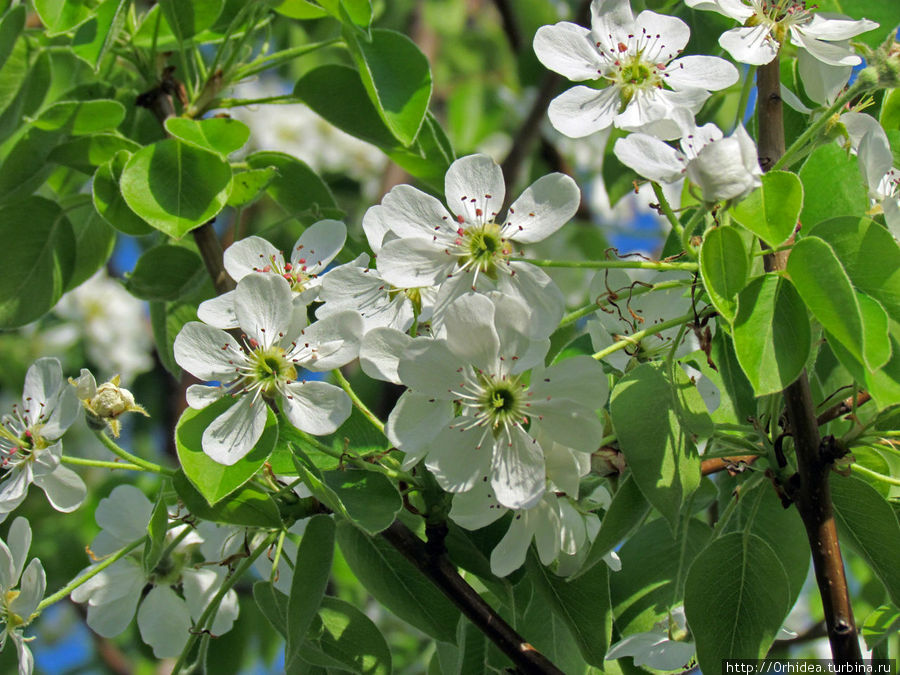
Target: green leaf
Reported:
point(725, 266)
point(868, 523)
point(166, 272)
point(396, 584)
point(94, 38)
point(86, 153)
point(826, 289)
point(94, 240)
point(583, 604)
point(61, 16)
point(222, 135)
point(248, 186)
point(358, 11)
point(735, 599)
point(108, 198)
point(11, 26)
point(648, 420)
point(37, 260)
point(167, 319)
point(771, 334)
point(213, 480)
point(186, 19)
point(889, 117)
point(733, 380)
point(273, 604)
point(882, 383)
point(174, 186)
point(247, 506)
point(542, 628)
point(348, 640)
point(300, 9)
point(25, 168)
point(869, 255)
point(81, 117)
point(832, 186)
point(396, 76)
point(771, 210)
point(628, 509)
point(312, 569)
point(881, 624)
point(644, 589)
point(156, 531)
point(296, 187)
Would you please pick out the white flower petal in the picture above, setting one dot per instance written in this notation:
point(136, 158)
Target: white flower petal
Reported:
point(263, 305)
point(474, 188)
point(546, 523)
point(536, 290)
point(834, 54)
point(206, 352)
point(112, 596)
point(727, 169)
point(124, 514)
point(470, 332)
point(24, 655)
point(219, 311)
point(376, 226)
point(568, 49)
point(412, 213)
point(43, 382)
point(836, 28)
point(566, 422)
point(249, 255)
point(164, 622)
point(476, 508)
point(518, 473)
point(509, 554)
point(611, 22)
point(582, 111)
point(198, 396)
point(31, 589)
point(200, 586)
point(459, 457)
point(234, 433)
point(673, 35)
point(414, 262)
point(335, 338)
point(430, 368)
point(18, 539)
point(415, 420)
point(64, 488)
point(650, 157)
point(579, 379)
point(573, 533)
point(564, 469)
point(701, 72)
point(821, 82)
point(545, 206)
point(381, 351)
point(14, 488)
point(317, 408)
point(319, 245)
point(734, 9)
point(753, 44)
point(654, 650)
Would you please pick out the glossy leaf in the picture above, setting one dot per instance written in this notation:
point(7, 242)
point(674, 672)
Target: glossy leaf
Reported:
point(771, 210)
point(222, 135)
point(26, 167)
point(248, 186)
point(61, 16)
point(348, 640)
point(300, 9)
point(296, 187)
point(247, 506)
point(11, 25)
point(881, 624)
point(651, 425)
point(94, 38)
point(167, 319)
point(94, 240)
point(175, 186)
point(396, 584)
point(38, 259)
point(108, 199)
point(735, 599)
point(312, 569)
point(771, 334)
point(155, 29)
point(397, 78)
point(882, 383)
point(81, 117)
point(832, 186)
point(186, 19)
point(868, 523)
point(88, 152)
point(273, 604)
point(166, 272)
point(357, 11)
point(725, 266)
point(213, 480)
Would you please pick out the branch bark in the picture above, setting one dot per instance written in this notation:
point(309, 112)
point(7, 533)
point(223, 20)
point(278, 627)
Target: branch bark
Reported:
point(431, 561)
point(813, 497)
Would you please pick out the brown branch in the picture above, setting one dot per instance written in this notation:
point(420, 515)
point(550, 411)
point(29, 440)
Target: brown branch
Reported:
point(732, 465)
point(813, 495)
point(844, 407)
point(431, 561)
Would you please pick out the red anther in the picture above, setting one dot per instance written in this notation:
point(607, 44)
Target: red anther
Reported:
point(27, 434)
point(622, 47)
point(478, 212)
point(288, 277)
point(461, 232)
point(254, 343)
point(460, 219)
point(267, 268)
point(301, 261)
point(288, 267)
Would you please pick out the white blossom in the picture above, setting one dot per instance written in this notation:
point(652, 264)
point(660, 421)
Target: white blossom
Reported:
point(267, 367)
point(769, 24)
point(29, 441)
point(876, 162)
point(723, 168)
point(426, 246)
point(21, 590)
point(648, 89)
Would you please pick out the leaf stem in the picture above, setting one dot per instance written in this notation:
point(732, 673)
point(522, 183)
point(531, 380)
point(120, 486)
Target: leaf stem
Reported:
point(357, 401)
point(101, 464)
point(890, 480)
point(117, 450)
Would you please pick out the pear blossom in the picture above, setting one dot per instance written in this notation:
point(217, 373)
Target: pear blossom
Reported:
point(266, 367)
point(115, 593)
point(723, 168)
point(648, 89)
point(876, 162)
point(104, 405)
point(477, 368)
point(768, 24)
point(425, 246)
point(21, 590)
point(312, 253)
point(29, 441)
point(654, 649)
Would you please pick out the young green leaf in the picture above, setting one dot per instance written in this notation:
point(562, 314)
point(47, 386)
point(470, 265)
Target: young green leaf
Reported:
point(94, 239)
point(81, 117)
point(156, 533)
point(832, 186)
point(349, 641)
point(222, 135)
point(166, 272)
point(724, 265)
point(108, 198)
point(94, 38)
point(247, 506)
point(771, 210)
point(296, 187)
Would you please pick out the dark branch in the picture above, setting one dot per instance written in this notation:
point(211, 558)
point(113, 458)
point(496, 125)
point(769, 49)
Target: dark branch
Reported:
point(845, 407)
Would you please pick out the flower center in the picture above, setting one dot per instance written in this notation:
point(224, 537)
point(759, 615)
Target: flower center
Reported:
point(297, 275)
point(499, 402)
point(779, 16)
point(269, 369)
point(482, 247)
point(11, 619)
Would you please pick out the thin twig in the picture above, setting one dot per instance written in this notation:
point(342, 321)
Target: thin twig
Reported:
point(845, 407)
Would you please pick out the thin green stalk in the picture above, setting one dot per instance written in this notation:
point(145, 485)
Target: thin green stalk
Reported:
point(635, 338)
point(239, 102)
point(278, 58)
point(612, 264)
point(357, 401)
point(667, 210)
point(213, 605)
point(101, 464)
point(813, 129)
point(890, 480)
point(88, 574)
point(114, 448)
point(279, 545)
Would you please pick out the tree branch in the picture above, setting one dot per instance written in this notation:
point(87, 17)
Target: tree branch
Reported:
point(431, 561)
point(844, 407)
point(813, 496)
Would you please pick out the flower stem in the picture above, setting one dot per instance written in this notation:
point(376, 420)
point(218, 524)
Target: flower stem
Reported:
point(357, 401)
point(115, 449)
point(667, 209)
point(890, 480)
point(101, 464)
point(612, 264)
point(88, 574)
point(635, 338)
point(213, 605)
